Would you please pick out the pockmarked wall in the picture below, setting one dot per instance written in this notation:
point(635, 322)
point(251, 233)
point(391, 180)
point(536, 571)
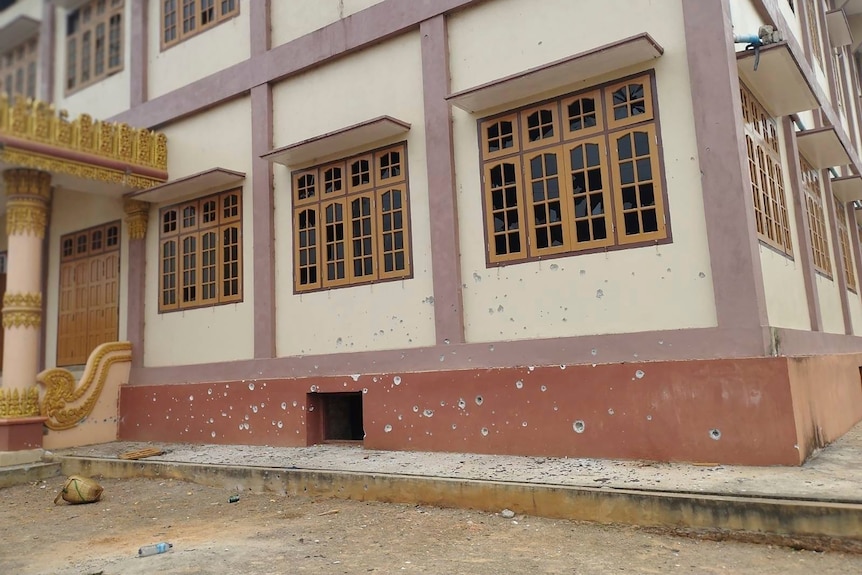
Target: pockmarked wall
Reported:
point(225, 44)
point(219, 137)
point(386, 315)
point(72, 211)
point(626, 290)
point(291, 20)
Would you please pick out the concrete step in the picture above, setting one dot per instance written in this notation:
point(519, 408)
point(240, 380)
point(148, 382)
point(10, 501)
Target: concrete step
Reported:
point(817, 525)
point(29, 473)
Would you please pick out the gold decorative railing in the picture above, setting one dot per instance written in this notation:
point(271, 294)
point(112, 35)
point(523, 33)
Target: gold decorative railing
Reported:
point(38, 122)
point(67, 403)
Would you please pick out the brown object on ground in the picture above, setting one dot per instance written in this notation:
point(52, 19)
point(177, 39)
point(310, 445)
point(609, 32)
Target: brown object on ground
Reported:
point(278, 533)
point(142, 453)
point(79, 489)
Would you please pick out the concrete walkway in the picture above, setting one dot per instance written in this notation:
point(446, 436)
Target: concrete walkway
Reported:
point(834, 474)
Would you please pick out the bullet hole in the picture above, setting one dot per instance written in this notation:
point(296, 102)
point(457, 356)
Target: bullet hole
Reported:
point(446, 341)
point(594, 352)
point(387, 428)
point(611, 411)
point(415, 409)
point(701, 275)
point(715, 434)
point(210, 391)
point(639, 374)
point(562, 366)
point(442, 404)
point(364, 390)
point(554, 267)
point(479, 400)
point(583, 272)
point(600, 294)
point(191, 398)
point(490, 348)
point(310, 408)
point(484, 432)
point(544, 388)
point(428, 413)
point(313, 389)
point(251, 386)
point(649, 417)
point(519, 384)
point(477, 278)
point(294, 404)
point(280, 424)
point(396, 380)
point(339, 342)
point(454, 426)
point(246, 417)
point(500, 309)
point(490, 311)
point(524, 424)
point(254, 408)
point(355, 377)
point(578, 426)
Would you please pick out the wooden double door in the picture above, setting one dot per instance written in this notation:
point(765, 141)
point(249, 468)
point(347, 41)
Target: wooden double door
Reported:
point(89, 292)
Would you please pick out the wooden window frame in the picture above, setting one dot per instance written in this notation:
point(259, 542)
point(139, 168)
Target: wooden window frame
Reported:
point(813, 23)
point(19, 69)
point(766, 174)
point(607, 198)
point(174, 230)
point(221, 15)
point(844, 242)
point(94, 243)
point(813, 198)
point(77, 59)
point(380, 183)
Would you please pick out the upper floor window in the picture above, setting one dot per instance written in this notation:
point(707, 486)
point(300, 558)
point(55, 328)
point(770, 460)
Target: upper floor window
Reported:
point(812, 20)
point(817, 229)
point(200, 252)
point(18, 69)
point(182, 19)
point(94, 42)
point(844, 239)
point(351, 221)
point(576, 173)
point(767, 177)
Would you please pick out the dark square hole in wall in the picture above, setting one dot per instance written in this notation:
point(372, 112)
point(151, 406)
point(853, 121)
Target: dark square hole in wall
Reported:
point(342, 416)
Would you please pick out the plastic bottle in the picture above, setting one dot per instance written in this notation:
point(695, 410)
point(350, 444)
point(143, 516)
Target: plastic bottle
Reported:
point(154, 549)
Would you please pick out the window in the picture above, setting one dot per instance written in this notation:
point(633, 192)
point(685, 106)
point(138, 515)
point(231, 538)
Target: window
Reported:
point(94, 42)
point(18, 69)
point(200, 252)
point(816, 220)
point(182, 19)
point(844, 239)
point(767, 178)
point(576, 173)
point(814, 31)
point(351, 221)
point(89, 292)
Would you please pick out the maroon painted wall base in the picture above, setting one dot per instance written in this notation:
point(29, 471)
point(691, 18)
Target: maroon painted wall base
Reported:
point(760, 411)
point(20, 434)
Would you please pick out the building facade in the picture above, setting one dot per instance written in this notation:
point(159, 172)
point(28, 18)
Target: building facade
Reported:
point(610, 232)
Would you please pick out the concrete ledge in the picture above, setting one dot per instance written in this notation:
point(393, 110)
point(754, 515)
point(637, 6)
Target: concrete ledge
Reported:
point(804, 524)
point(18, 475)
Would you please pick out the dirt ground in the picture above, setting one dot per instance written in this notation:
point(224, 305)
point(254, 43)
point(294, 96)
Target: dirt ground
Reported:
point(274, 534)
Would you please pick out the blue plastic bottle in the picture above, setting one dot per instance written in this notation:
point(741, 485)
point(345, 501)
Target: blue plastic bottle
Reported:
point(154, 549)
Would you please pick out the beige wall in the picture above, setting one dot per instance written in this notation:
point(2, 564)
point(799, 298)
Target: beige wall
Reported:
point(295, 18)
point(220, 137)
point(102, 99)
point(629, 290)
point(222, 46)
point(73, 210)
point(389, 315)
point(31, 8)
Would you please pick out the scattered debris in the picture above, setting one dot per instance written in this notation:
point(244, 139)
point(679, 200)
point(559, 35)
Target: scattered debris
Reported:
point(233, 499)
point(142, 453)
point(154, 549)
point(79, 489)
point(507, 513)
point(330, 512)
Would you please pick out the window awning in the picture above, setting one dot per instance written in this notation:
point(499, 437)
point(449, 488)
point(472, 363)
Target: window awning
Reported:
point(839, 28)
point(778, 83)
point(589, 64)
point(847, 188)
point(822, 147)
point(338, 142)
point(213, 180)
point(18, 31)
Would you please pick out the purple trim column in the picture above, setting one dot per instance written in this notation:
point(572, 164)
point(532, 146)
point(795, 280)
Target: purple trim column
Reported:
point(805, 255)
point(837, 252)
point(137, 217)
point(139, 46)
point(733, 247)
point(46, 53)
point(445, 261)
point(263, 227)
